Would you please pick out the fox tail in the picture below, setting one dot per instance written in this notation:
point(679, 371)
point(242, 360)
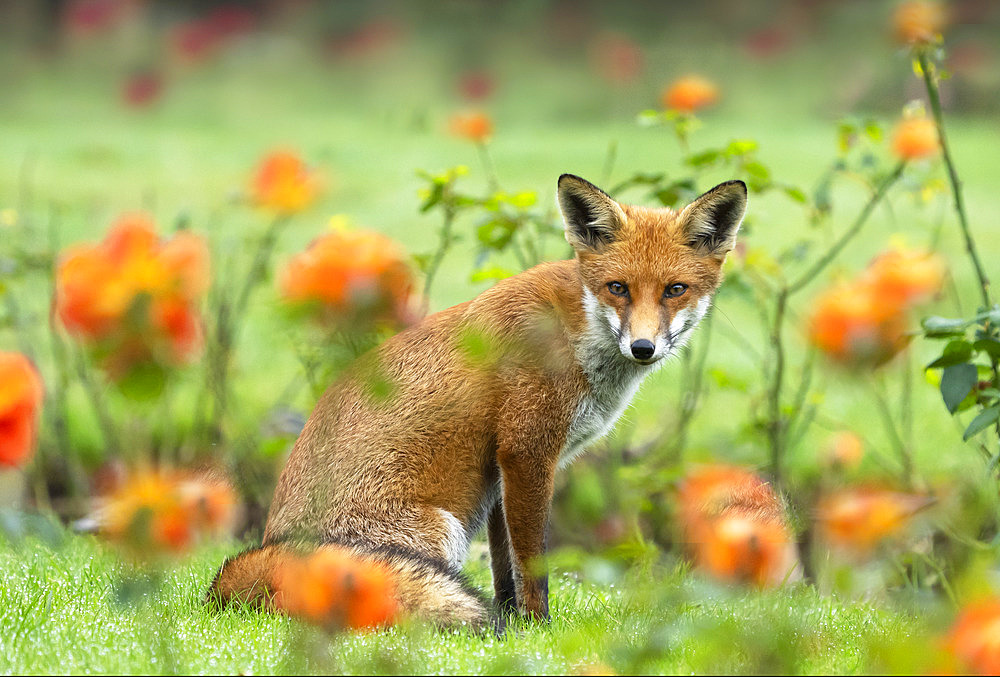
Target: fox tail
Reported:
point(425, 587)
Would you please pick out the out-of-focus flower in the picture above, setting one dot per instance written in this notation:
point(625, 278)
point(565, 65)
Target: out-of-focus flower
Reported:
point(89, 17)
point(863, 322)
point(745, 550)
point(371, 39)
point(852, 325)
point(735, 526)
point(476, 85)
point(918, 22)
point(133, 296)
point(193, 41)
point(690, 94)
point(915, 138)
point(861, 518)
point(283, 183)
point(336, 589)
point(845, 450)
point(142, 88)
point(975, 637)
point(348, 275)
point(198, 38)
point(906, 277)
point(20, 400)
point(768, 42)
point(617, 58)
point(167, 511)
point(476, 127)
point(231, 20)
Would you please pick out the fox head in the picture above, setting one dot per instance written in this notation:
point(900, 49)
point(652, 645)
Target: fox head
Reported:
point(649, 274)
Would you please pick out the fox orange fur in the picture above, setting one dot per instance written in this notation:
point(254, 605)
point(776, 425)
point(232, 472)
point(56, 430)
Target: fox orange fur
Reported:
point(485, 401)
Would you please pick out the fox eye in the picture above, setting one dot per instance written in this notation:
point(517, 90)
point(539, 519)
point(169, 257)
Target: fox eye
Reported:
point(618, 288)
point(675, 290)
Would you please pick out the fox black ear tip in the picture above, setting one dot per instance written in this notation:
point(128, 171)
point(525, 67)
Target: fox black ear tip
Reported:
point(568, 177)
point(736, 183)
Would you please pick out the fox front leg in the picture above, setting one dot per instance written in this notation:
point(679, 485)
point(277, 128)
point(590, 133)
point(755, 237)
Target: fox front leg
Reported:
point(527, 495)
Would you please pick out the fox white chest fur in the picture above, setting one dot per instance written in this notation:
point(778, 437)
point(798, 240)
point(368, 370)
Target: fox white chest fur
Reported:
point(613, 380)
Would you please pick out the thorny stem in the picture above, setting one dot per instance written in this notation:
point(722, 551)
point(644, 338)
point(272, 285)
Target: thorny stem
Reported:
point(927, 69)
point(444, 244)
point(895, 439)
point(813, 272)
point(97, 402)
point(776, 424)
point(694, 369)
point(228, 320)
point(488, 168)
point(930, 80)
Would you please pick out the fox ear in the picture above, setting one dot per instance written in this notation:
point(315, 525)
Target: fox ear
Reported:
point(592, 218)
point(711, 222)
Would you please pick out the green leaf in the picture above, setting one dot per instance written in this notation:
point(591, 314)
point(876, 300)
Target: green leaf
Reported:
point(523, 199)
point(495, 234)
point(957, 381)
point(143, 382)
point(956, 352)
point(703, 159)
point(650, 118)
point(491, 273)
point(990, 346)
point(873, 131)
point(982, 421)
point(796, 194)
point(943, 327)
point(741, 147)
point(757, 170)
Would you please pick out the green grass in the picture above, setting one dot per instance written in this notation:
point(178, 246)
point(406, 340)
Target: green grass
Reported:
point(74, 606)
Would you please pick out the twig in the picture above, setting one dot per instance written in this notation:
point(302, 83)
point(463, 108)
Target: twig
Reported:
point(928, 71)
point(894, 437)
point(444, 244)
point(813, 272)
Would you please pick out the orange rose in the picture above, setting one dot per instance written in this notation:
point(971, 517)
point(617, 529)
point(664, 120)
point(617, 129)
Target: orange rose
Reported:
point(283, 183)
point(20, 400)
point(133, 296)
point(350, 274)
point(906, 277)
point(853, 325)
point(845, 450)
point(476, 127)
point(166, 511)
point(918, 22)
point(690, 94)
point(975, 637)
point(863, 322)
point(860, 519)
point(735, 527)
point(336, 589)
point(915, 138)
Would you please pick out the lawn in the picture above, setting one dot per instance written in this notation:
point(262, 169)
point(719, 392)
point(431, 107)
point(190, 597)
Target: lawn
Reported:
point(72, 606)
point(73, 157)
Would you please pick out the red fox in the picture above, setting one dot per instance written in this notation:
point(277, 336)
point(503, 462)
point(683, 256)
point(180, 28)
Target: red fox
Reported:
point(486, 400)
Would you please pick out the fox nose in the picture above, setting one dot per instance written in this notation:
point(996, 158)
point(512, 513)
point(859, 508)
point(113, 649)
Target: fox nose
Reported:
point(642, 349)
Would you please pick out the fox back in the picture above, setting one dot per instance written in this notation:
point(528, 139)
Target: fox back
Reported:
point(463, 419)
